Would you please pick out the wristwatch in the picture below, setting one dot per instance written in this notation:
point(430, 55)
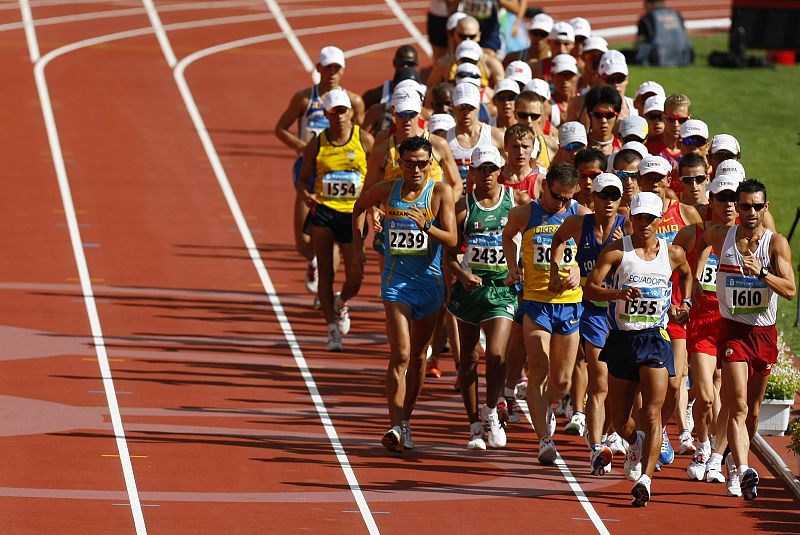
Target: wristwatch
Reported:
point(687, 301)
point(763, 273)
point(427, 226)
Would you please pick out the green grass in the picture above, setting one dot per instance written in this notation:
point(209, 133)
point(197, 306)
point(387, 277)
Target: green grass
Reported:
point(761, 107)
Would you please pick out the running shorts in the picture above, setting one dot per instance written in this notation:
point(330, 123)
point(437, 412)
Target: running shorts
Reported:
point(489, 301)
point(626, 351)
point(754, 344)
point(556, 318)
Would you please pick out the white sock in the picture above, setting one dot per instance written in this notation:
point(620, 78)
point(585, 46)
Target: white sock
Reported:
point(491, 410)
point(742, 468)
point(603, 439)
point(706, 447)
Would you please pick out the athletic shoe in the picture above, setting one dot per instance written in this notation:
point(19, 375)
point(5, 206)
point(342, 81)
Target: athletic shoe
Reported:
point(393, 439)
point(342, 316)
point(547, 451)
point(513, 413)
point(714, 469)
point(697, 468)
point(748, 482)
point(311, 276)
point(317, 305)
point(690, 416)
point(405, 432)
point(561, 408)
point(633, 460)
point(732, 481)
point(334, 339)
point(476, 441)
point(551, 422)
point(686, 444)
point(600, 459)
point(502, 409)
point(433, 370)
point(616, 444)
point(521, 388)
point(494, 429)
point(641, 492)
point(667, 454)
point(577, 425)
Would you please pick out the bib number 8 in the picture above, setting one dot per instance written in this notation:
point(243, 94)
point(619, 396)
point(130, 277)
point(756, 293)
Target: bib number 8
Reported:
point(544, 256)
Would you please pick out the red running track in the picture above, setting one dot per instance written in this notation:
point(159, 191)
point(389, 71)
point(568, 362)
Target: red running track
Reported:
point(222, 431)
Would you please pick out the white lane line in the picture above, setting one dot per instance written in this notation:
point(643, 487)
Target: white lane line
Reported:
point(86, 284)
point(308, 65)
point(30, 31)
point(572, 482)
point(161, 34)
point(410, 26)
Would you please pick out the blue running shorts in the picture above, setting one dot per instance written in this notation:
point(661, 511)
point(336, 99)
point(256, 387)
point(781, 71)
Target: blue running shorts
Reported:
point(594, 325)
point(627, 351)
point(420, 301)
point(556, 318)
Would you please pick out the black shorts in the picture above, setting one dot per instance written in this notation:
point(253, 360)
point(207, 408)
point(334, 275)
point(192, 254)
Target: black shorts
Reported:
point(626, 351)
point(437, 30)
point(490, 33)
point(339, 223)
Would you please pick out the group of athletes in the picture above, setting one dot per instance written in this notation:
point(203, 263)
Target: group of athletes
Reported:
point(607, 247)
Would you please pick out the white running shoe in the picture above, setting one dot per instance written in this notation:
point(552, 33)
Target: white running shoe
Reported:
point(732, 481)
point(577, 425)
point(633, 461)
point(641, 492)
point(494, 429)
point(690, 416)
point(311, 279)
point(547, 451)
point(521, 388)
point(714, 469)
point(749, 482)
point(405, 432)
point(616, 444)
point(569, 410)
point(507, 409)
point(342, 316)
point(334, 339)
point(551, 422)
point(686, 446)
point(697, 468)
point(600, 460)
point(476, 441)
point(393, 439)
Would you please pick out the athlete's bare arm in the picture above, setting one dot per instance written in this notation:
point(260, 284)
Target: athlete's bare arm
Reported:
point(497, 139)
point(376, 162)
point(438, 74)
point(379, 193)
point(685, 239)
point(442, 152)
point(769, 221)
point(495, 68)
point(443, 206)
point(781, 273)
point(296, 108)
point(307, 171)
point(677, 260)
point(468, 280)
point(373, 118)
point(689, 213)
point(570, 228)
point(574, 108)
point(609, 259)
point(520, 197)
point(517, 221)
point(368, 142)
point(358, 107)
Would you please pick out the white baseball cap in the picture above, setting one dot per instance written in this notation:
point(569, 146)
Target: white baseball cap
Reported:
point(540, 87)
point(468, 50)
point(572, 132)
point(486, 154)
point(406, 99)
point(541, 21)
point(636, 147)
point(581, 26)
point(650, 87)
point(469, 73)
point(565, 62)
point(654, 164)
point(519, 71)
point(454, 19)
point(466, 93)
point(412, 85)
point(335, 98)
point(654, 103)
point(725, 142)
point(730, 167)
point(506, 84)
point(613, 62)
point(724, 182)
point(562, 31)
point(330, 55)
point(694, 127)
point(633, 125)
point(595, 42)
point(441, 121)
point(604, 180)
point(647, 203)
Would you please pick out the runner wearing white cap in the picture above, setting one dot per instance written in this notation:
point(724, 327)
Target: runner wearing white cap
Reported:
point(723, 147)
point(335, 162)
point(560, 41)
point(633, 128)
point(519, 72)
point(625, 164)
point(379, 116)
point(529, 109)
point(593, 49)
point(590, 163)
point(480, 298)
point(571, 139)
point(469, 73)
point(653, 111)
point(637, 351)
point(440, 123)
point(646, 90)
point(305, 109)
point(613, 70)
point(505, 92)
point(564, 80)
point(583, 30)
point(677, 110)
point(538, 32)
point(693, 173)
point(694, 137)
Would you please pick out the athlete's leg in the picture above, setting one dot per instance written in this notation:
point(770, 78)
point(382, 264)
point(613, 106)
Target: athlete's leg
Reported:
point(756, 385)
point(497, 331)
point(421, 331)
point(580, 382)
point(703, 366)
point(537, 345)
point(598, 391)
point(653, 382)
point(563, 348)
point(451, 326)
point(621, 395)
point(673, 391)
point(322, 239)
point(469, 335)
point(302, 241)
point(734, 391)
point(515, 356)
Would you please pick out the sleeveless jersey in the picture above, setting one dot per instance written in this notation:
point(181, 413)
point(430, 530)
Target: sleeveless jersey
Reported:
point(536, 242)
point(392, 171)
point(527, 184)
point(313, 121)
point(463, 155)
point(483, 230)
point(652, 277)
point(743, 298)
point(451, 76)
point(413, 260)
point(386, 92)
point(340, 171)
point(671, 222)
point(543, 158)
point(589, 249)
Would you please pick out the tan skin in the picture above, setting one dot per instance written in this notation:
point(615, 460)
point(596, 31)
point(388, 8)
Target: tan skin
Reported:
point(555, 47)
point(589, 79)
point(742, 394)
point(408, 338)
point(322, 239)
point(487, 193)
point(694, 193)
point(655, 124)
point(572, 227)
point(548, 379)
point(564, 89)
point(468, 128)
point(504, 102)
point(579, 113)
point(518, 153)
point(587, 171)
point(601, 129)
point(653, 382)
point(535, 107)
point(672, 128)
point(630, 187)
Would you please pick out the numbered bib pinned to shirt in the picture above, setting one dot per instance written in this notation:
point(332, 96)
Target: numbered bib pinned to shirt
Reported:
point(542, 252)
point(405, 238)
point(485, 252)
point(342, 185)
point(646, 309)
point(708, 279)
point(746, 295)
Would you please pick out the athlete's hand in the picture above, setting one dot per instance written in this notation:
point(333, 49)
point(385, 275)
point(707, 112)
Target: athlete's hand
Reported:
point(375, 216)
point(417, 215)
point(573, 280)
point(752, 267)
point(311, 199)
point(514, 276)
point(617, 234)
point(470, 281)
point(678, 315)
point(629, 294)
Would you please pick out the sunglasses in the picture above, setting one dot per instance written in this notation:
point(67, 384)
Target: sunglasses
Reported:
point(338, 110)
point(694, 141)
point(406, 115)
point(626, 175)
point(468, 36)
point(505, 96)
point(697, 179)
point(725, 196)
point(559, 198)
point(414, 164)
point(487, 169)
point(468, 75)
point(608, 115)
point(541, 34)
point(655, 116)
point(589, 174)
point(611, 195)
point(615, 79)
point(528, 116)
point(746, 206)
point(573, 147)
point(679, 120)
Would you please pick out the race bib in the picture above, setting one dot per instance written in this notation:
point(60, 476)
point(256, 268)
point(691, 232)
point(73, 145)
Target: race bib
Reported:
point(746, 295)
point(480, 9)
point(341, 185)
point(708, 279)
point(485, 252)
point(644, 309)
point(542, 253)
point(405, 238)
